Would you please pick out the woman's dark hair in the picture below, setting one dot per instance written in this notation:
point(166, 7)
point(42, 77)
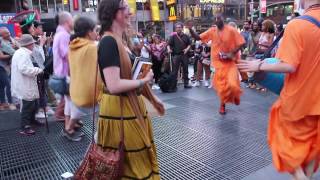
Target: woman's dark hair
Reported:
point(82, 26)
point(106, 13)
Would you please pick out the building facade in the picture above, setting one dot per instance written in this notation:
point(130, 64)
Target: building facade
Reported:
point(171, 11)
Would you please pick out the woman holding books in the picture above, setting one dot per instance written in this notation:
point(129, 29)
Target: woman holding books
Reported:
point(122, 97)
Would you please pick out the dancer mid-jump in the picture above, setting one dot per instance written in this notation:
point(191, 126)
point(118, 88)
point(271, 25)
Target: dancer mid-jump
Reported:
point(226, 42)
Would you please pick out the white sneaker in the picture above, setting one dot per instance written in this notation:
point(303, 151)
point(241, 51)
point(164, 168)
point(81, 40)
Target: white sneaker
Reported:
point(196, 84)
point(155, 87)
point(40, 115)
point(206, 83)
point(50, 112)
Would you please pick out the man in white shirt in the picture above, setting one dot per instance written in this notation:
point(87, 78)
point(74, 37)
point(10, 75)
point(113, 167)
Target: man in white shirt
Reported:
point(24, 83)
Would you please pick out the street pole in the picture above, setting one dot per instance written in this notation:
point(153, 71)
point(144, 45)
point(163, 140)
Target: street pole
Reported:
point(259, 8)
point(252, 11)
point(144, 23)
point(245, 9)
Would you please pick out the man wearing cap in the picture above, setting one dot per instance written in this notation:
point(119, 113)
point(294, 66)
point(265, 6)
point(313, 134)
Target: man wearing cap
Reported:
point(24, 82)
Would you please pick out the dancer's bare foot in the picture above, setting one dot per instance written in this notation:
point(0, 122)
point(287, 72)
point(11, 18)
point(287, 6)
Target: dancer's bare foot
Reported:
point(222, 110)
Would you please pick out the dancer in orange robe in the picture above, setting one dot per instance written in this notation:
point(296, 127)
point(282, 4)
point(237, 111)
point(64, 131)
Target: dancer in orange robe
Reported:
point(226, 42)
point(294, 127)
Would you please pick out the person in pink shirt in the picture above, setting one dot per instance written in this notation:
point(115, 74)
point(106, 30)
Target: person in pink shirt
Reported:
point(61, 69)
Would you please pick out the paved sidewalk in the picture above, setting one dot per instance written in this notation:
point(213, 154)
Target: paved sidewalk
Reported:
point(193, 141)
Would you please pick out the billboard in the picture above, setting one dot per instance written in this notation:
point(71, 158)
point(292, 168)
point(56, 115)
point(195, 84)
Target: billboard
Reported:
point(263, 6)
point(5, 17)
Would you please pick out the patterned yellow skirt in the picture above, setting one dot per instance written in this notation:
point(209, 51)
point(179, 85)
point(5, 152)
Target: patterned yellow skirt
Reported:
point(140, 151)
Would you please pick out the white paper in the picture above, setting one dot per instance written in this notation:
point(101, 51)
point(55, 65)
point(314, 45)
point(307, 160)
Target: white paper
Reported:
point(67, 175)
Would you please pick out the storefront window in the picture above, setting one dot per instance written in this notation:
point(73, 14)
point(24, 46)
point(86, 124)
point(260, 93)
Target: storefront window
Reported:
point(59, 5)
point(36, 5)
point(89, 5)
point(51, 6)
point(44, 6)
point(149, 28)
point(66, 5)
point(146, 5)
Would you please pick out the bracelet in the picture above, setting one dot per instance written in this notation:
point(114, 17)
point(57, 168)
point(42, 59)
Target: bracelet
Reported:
point(259, 66)
point(141, 83)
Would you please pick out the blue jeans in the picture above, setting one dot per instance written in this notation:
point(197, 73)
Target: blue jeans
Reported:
point(5, 87)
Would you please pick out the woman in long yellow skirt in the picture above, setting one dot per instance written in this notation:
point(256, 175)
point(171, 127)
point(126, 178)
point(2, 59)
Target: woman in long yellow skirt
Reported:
point(115, 66)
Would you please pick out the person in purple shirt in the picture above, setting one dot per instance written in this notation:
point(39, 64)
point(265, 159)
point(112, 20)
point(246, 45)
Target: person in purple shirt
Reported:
point(61, 69)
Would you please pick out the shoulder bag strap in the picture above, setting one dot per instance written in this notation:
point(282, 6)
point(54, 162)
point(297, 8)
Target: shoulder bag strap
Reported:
point(122, 123)
point(185, 44)
point(310, 19)
point(94, 101)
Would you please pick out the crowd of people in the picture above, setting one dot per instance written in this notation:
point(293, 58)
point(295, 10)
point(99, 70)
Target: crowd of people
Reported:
point(84, 64)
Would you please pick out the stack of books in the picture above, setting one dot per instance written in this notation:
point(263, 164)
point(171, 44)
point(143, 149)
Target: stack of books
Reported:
point(140, 68)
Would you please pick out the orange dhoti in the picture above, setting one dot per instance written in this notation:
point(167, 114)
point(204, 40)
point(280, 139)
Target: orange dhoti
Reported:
point(227, 84)
point(293, 143)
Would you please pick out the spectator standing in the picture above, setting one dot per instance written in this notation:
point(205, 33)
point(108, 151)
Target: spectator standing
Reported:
point(256, 33)
point(158, 49)
point(203, 64)
point(179, 46)
point(82, 58)
point(246, 34)
point(7, 48)
point(38, 59)
point(61, 69)
point(24, 71)
point(267, 36)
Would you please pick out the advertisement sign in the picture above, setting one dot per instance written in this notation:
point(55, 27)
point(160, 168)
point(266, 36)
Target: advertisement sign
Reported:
point(5, 17)
point(212, 1)
point(172, 13)
point(75, 5)
point(170, 2)
point(263, 6)
point(155, 11)
point(133, 6)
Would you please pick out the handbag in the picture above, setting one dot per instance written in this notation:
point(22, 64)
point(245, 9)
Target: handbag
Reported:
point(101, 164)
point(206, 61)
point(59, 85)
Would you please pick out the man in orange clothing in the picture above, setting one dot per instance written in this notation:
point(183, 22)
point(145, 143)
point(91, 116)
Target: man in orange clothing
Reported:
point(294, 127)
point(226, 42)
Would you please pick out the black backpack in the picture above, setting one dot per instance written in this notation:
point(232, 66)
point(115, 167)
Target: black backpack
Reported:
point(168, 81)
